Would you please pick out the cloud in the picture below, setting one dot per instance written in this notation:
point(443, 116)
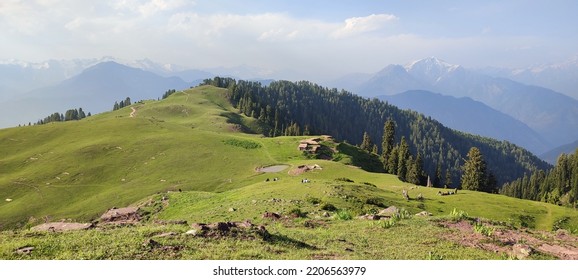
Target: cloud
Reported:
point(359, 25)
point(150, 7)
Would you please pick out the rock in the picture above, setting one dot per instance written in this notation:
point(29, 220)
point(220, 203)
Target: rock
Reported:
point(245, 224)
point(326, 214)
point(369, 217)
point(423, 213)
point(389, 211)
point(25, 250)
point(521, 251)
point(232, 209)
point(192, 232)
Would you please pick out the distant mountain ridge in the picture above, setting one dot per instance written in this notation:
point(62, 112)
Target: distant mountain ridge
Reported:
point(553, 115)
point(95, 90)
point(461, 113)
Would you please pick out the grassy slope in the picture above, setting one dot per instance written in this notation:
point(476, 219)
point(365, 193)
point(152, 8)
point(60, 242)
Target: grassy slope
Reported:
point(79, 169)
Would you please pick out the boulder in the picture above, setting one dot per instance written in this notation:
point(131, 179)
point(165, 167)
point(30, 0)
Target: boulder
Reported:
point(389, 211)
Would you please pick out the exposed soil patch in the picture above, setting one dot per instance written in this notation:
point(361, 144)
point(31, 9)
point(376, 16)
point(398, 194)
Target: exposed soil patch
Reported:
point(304, 168)
point(62, 226)
point(242, 230)
point(127, 215)
point(509, 241)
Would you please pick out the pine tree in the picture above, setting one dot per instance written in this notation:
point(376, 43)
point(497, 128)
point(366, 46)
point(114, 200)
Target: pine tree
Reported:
point(438, 176)
point(393, 160)
point(388, 140)
point(403, 156)
point(366, 144)
point(374, 150)
point(474, 176)
point(448, 180)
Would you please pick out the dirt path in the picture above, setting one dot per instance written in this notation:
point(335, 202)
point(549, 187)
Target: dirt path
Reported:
point(133, 112)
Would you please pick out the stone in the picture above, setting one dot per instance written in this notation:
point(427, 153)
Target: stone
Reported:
point(423, 213)
point(25, 250)
point(521, 251)
point(389, 211)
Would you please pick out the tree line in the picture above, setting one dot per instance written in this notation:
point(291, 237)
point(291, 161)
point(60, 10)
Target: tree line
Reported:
point(558, 185)
point(288, 108)
point(123, 103)
point(69, 115)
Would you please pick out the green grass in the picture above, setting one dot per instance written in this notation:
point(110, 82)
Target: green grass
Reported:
point(195, 142)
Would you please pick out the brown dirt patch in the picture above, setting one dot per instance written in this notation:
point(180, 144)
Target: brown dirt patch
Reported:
point(127, 215)
point(62, 226)
point(560, 244)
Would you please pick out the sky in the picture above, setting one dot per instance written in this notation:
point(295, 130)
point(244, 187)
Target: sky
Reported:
point(316, 39)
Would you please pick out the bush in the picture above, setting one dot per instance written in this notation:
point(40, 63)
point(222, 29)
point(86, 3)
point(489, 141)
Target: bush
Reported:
point(297, 213)
point(458, 215)
point(343, 179)
point(328, 207)
point(344, 214)
point(377, 201)
point(242, 143)
point(484, 230)
point(313, 200)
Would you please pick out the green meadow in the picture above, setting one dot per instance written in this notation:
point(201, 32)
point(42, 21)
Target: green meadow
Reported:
point(193, 157)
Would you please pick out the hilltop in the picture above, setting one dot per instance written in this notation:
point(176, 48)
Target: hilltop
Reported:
point(193, 159)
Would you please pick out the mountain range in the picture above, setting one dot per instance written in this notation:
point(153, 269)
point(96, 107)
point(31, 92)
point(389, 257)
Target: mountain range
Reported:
point(553, 115)
point(460, 113)
point(535, 117)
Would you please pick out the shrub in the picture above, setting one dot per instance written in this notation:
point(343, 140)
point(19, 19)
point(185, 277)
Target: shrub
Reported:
point(297, 213)
point(344, 214)
point(313, 200)
point(343, 179)
point(242, 143)
point(328, 207)
point(484, 230)
point(387, 223)
point(377, 201)
point(458, 215)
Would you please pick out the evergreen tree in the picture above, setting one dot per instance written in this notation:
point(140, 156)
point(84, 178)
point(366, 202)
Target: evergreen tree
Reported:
point(116, 106)
point(393, 160)
point(374, 150)
point(448, 179)
point(474, 176)
point(403, 156)
point(438, 176)
point(366, 144)
point(388, 139)
point(81, 114)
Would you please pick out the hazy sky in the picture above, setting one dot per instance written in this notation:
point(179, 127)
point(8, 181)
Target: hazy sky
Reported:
point(319, 38)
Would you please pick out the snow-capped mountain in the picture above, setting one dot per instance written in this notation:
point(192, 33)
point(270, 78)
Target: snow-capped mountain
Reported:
point(430, 70)
point(561, 77)
point(552, 114)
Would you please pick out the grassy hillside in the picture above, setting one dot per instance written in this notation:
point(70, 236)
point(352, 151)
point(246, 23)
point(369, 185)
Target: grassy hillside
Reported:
point(192, 157)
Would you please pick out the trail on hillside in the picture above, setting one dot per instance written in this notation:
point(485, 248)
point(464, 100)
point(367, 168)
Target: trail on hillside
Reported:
point(133, 112)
